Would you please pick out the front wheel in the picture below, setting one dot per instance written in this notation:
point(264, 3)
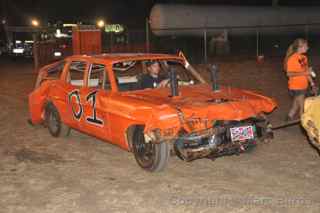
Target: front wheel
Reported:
point(54, 123)
point(150, 156)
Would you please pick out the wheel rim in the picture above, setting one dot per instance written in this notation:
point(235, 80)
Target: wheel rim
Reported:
point(144, 152)
point(54, 122)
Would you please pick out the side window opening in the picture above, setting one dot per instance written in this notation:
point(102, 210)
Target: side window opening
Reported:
point(50, 73)
point(98, 77)
point(127, 74)
point(55, 71)
point(183, 76)
point(76, 73)
point(131, 75)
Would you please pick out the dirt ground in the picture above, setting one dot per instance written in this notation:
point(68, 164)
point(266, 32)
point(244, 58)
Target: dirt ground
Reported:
point(42, 174)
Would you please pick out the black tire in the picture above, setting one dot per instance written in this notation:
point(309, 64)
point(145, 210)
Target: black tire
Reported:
point(150, 156)
point(53, 121)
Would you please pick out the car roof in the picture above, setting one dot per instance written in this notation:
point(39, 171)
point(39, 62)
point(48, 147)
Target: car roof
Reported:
point(119, 57)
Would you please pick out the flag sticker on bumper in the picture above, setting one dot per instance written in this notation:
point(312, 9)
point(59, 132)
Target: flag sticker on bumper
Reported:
point(242, 133)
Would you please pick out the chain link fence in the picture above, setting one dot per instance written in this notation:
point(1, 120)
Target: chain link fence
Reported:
point(244, 42)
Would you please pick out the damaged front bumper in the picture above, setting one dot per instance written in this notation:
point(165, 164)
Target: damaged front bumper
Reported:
point(223, 139)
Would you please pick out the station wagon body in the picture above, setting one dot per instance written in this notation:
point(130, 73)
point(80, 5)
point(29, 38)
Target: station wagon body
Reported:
point(100, 95)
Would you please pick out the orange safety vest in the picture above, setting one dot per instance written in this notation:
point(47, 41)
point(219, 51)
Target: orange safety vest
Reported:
point(297, 63)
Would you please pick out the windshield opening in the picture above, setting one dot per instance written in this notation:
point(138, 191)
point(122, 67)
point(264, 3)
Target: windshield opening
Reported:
point(150, 74)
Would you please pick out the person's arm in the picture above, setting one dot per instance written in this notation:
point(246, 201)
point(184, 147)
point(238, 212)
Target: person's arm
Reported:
point(313, 86)
point(164, 83)
point(310, 81)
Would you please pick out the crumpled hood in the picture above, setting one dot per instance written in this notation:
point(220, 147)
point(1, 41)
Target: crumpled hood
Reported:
point(200, 101)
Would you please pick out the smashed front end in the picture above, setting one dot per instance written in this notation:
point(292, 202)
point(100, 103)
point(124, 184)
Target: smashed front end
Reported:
point(224, 138)
point(226, 123)
point(194, 138)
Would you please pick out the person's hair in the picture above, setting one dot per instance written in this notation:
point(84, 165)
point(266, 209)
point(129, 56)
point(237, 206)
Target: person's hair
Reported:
point(149, 63)
point(292, 49)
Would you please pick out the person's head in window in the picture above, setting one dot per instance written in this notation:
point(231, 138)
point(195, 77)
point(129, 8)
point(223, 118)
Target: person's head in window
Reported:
point(153, 78)
point(153, 68)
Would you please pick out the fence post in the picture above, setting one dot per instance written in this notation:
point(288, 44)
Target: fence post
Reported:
point(147, 36)
point(111, 42)
point(127, 44)
point(257, 43)
point(205, 46)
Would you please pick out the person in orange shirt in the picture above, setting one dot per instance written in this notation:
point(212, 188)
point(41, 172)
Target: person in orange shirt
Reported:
point(299, 75)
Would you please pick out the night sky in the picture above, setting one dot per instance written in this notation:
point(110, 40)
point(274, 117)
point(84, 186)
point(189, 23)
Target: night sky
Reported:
point(128, 12)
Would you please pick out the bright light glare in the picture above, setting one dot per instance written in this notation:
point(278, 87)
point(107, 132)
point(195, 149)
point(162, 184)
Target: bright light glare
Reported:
point(100, 23)
point(35, 22)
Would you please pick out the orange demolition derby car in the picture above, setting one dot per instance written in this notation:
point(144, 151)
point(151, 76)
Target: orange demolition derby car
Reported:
point(101, 95)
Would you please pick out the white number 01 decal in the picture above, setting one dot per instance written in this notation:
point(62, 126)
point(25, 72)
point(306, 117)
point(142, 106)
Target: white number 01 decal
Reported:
point(77, 113)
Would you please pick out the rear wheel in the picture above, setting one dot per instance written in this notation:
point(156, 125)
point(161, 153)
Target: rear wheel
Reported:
point(54, 123)
point(150, 156)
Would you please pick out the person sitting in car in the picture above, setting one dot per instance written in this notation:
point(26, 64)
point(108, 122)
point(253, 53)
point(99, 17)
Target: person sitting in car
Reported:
point(153, 79)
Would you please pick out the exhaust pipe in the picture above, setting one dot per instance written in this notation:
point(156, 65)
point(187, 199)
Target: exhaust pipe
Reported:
point(173, 83)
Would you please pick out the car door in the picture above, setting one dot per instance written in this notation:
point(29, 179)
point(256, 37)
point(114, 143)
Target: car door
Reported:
point(75, 80)
point(95, 96)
